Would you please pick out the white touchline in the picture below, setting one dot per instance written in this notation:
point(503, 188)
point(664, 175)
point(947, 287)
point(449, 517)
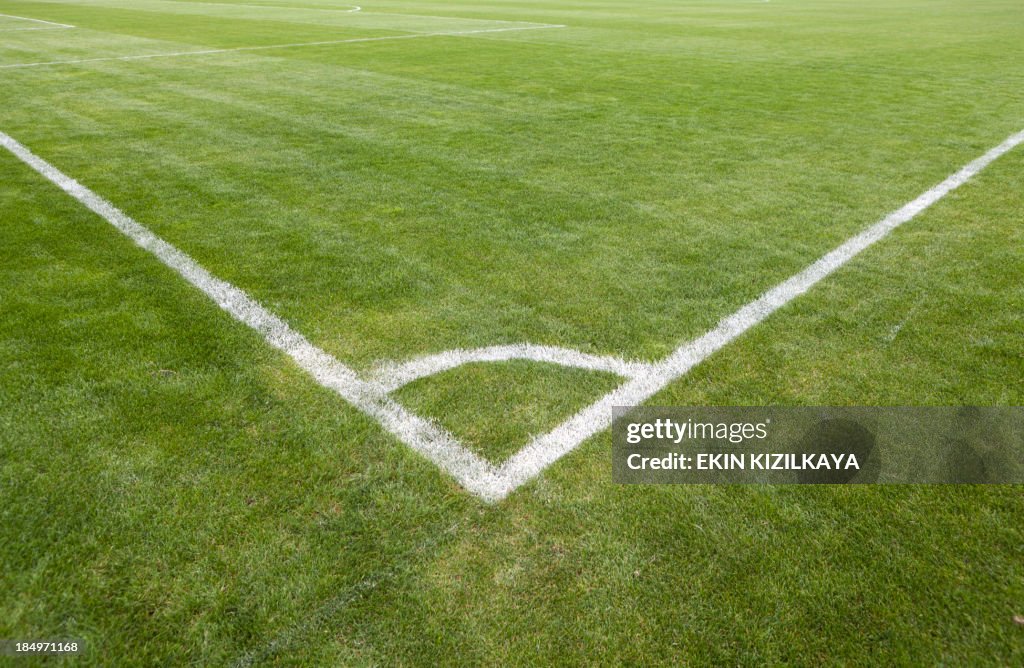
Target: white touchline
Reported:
point(207, 52)
point(49, 23)
point(493, 483)
point(422, 435)
point(545, 450)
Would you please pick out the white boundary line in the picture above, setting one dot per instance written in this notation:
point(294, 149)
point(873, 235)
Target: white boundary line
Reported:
point(547, 449)
point(422, 435)
point(33, 29)
point(207, 52)
point(49, 23)
point(477, 475)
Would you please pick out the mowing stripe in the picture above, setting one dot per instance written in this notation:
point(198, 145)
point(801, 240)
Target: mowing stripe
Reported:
point(336, 10)
point(325, 613)
point(474, 473)
point(25, 18)
point(546, 449)
point(462, 18)
point(207, 52)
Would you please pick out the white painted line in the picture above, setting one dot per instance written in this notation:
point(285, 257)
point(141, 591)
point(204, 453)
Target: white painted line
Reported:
point(33, 29)
point(207, 52)
point(422, 435)
point(351, 8)
point(391, 376)
point(475, 474)
point(49, 23)
point(545, 450)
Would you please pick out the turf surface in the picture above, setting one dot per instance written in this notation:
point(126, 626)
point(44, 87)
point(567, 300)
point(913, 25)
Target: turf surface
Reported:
point(174, 491)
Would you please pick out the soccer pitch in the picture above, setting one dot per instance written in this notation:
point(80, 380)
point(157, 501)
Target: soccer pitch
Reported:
point(313, 315)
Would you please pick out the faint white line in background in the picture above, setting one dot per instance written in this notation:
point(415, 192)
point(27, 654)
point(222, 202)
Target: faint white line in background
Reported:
point(51, 24)
point(477, 475)
point(207, 52)
point(37, 21)
point(34, 29)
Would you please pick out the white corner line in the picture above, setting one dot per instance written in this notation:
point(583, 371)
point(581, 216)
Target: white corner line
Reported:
point(390, 376)
point(492, 483)
point(268, 47)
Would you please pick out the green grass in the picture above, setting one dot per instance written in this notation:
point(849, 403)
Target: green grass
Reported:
point(176, 492)
point(523, 399)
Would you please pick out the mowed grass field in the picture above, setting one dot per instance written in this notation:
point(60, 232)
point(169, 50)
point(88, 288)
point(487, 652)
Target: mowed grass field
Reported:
point(176, 492)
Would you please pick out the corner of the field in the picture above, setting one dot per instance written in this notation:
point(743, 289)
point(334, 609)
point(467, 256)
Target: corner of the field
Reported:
point(494, 487)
